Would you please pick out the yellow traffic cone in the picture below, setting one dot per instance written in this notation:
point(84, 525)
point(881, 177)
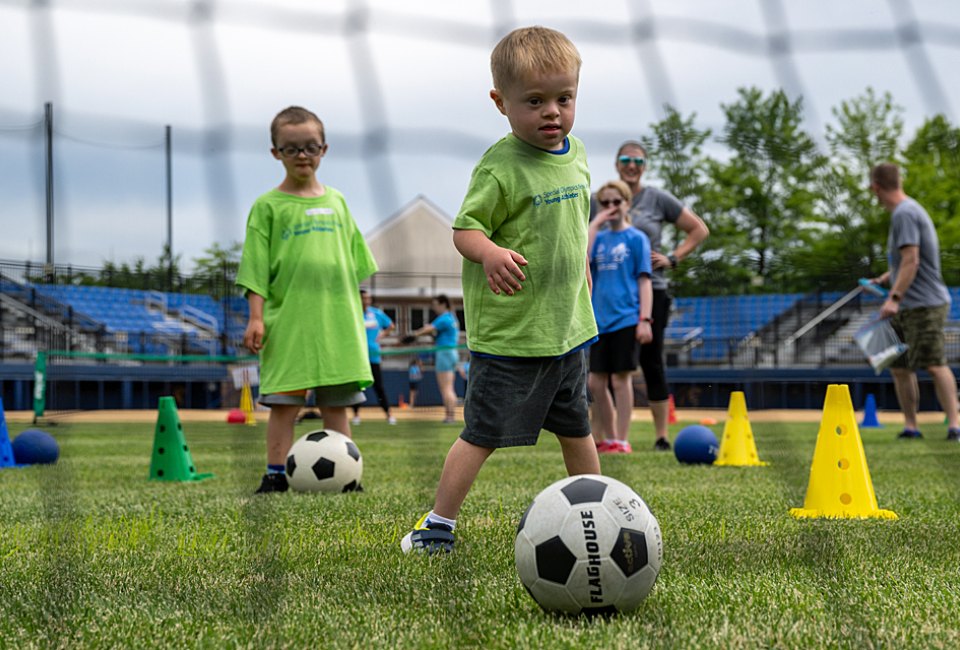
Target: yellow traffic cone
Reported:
point(246, 403)
point(840, 485)
point(737, 448)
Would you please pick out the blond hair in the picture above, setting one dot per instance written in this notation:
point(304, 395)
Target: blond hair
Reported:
point(530, 50)
point(294, 115)
point(622, 189)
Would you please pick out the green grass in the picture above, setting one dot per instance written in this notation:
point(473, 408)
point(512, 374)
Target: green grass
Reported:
point(92, 554)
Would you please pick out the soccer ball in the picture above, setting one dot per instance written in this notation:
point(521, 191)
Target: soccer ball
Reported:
point(324, 461)
point(588, 545)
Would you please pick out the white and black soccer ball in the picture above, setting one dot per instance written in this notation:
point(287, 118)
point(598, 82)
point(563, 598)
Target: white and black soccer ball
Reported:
point(324, 461)
point(588, 544)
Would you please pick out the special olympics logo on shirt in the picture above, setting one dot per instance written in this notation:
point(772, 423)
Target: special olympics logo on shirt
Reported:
point(285, 234)
point(537, 200)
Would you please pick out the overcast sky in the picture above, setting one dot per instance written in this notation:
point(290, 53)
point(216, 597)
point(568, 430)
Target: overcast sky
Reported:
point(403, 90)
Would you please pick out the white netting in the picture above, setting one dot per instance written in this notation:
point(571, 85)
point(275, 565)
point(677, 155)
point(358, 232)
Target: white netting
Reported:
point(402, 88)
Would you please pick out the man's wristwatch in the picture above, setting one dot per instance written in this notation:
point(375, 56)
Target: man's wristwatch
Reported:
point(895, 297)
point(673, 260)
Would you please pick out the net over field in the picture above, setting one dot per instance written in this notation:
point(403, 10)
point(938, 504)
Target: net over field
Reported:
point(403, 89)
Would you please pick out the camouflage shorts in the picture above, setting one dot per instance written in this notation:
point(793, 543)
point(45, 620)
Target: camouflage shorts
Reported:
point(921, 328)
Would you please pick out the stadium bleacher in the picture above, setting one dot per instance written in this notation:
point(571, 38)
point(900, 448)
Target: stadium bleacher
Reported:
point(150, 321)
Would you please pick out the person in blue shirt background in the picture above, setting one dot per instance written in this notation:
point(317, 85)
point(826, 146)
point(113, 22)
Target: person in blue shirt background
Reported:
point(622, 301)
point(446, 328)
point(377, 324)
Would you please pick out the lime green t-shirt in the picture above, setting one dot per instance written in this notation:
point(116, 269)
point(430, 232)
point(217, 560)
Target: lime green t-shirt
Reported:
point(306, 257)
point(537, 204)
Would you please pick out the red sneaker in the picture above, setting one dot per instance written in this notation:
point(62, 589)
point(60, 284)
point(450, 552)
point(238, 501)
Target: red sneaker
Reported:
point(607, 447)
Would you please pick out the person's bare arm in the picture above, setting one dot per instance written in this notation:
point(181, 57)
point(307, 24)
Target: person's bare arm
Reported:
point(501, 265)
point(253, 335)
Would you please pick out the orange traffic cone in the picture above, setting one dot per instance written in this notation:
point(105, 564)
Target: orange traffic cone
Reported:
point(840, 485)
point(401, 403)
point(672, 411)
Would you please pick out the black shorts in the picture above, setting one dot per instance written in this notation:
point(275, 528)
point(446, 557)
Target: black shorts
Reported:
point(509, 401)
point(615, 351)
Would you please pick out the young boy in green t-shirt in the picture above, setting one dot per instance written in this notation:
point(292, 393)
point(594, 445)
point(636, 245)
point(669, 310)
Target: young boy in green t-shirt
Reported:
point(522, 231)
point(303, 259)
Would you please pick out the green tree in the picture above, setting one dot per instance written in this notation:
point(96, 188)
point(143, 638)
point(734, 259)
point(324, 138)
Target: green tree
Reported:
point(762, 198)
point(853, 226)
point(932, 177)
point(676, 147)
point(216, 270)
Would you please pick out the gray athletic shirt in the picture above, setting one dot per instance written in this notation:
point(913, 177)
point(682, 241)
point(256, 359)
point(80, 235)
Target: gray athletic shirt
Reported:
point(910, 225)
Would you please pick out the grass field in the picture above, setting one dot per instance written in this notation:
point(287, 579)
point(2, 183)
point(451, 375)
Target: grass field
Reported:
point(93, 555)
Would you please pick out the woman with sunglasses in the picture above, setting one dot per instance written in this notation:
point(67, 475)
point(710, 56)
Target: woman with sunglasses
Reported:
point(622, 299)
point(650, 209)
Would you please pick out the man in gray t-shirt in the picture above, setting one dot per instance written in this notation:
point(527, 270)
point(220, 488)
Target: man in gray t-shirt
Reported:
point(918, 301)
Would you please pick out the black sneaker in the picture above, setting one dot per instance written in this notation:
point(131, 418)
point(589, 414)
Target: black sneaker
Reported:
point(909, 434)
point(273, 483)
point(429, 538)
point(662, 444)
point(953, 434)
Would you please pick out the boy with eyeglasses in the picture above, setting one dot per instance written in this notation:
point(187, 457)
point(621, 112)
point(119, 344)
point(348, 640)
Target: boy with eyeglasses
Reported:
point(303, 260)
point(522, 230)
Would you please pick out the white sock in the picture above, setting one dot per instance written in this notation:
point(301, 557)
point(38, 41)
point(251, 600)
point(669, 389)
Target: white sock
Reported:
point(437, 519)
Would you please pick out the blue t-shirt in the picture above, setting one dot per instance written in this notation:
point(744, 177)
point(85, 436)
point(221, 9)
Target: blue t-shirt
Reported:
point(448, 330)
point(375, 321)
point(617, 261)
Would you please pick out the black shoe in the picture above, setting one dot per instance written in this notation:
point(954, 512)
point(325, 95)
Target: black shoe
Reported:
point(909, 434)
point(273, 483)
point(662, 444)
point(953, 434)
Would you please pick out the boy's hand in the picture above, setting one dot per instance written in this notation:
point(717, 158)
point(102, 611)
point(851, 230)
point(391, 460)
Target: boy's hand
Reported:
point(502, 267)
point(253, 336)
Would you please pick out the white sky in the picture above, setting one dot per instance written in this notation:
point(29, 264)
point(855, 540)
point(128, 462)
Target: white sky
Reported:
point(402, 88)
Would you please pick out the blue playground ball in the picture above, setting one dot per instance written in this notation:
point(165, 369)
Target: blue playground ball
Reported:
point(34, 446)
point(696, 444)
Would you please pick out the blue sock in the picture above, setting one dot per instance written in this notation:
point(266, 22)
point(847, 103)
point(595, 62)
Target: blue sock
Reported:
point(276, 469)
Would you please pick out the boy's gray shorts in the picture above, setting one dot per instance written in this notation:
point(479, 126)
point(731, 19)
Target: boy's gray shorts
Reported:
point(337, 395)
point(509, 401)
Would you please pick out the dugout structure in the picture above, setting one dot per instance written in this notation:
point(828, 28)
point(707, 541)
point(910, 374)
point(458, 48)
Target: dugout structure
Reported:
point(66, 381)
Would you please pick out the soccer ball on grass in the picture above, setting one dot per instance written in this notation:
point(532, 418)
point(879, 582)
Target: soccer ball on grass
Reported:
point(588, 545)
point(324, 461)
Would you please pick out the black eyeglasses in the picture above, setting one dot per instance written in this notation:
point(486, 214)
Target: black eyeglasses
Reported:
point(626, 160)
point(606, 202)
point(313, 149)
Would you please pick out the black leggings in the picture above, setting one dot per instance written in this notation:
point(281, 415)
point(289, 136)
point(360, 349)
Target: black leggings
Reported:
point(378, 389)
point(651, 354)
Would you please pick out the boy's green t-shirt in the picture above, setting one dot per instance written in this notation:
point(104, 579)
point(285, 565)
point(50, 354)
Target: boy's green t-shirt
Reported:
point(537, 204)
point(306, 257)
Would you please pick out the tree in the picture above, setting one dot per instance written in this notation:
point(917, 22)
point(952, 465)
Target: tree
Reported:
point(763, 196)
point(868, 130)
point(677, 148)
point(216, 271)
point(932, 177)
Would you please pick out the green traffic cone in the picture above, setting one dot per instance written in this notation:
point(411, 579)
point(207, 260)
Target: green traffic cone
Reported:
point(171, 460)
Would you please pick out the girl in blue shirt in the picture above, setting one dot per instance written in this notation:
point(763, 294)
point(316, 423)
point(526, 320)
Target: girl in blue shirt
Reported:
point(446, 328)
point(622, 299)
